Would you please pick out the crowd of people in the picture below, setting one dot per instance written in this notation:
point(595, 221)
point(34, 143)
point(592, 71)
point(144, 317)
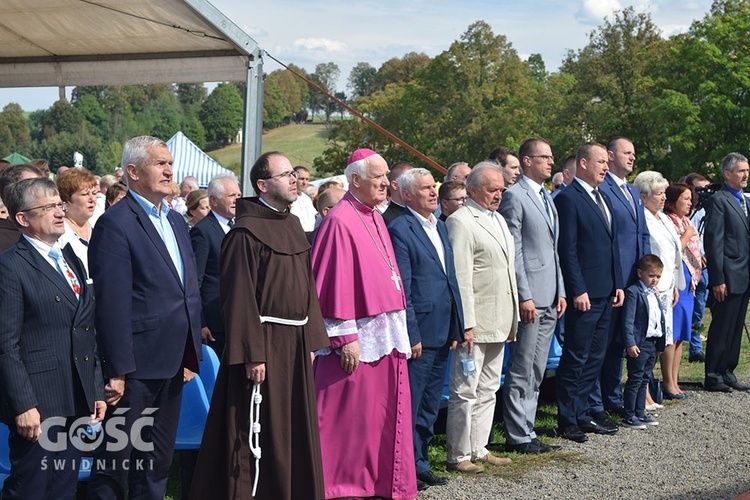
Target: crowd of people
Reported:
point(337, 314)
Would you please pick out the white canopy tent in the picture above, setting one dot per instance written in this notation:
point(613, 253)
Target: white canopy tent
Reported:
point(189, 159)
point(59, 43)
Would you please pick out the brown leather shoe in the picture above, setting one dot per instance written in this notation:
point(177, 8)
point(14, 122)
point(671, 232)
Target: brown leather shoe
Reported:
point(491, 459)
point(466, 467)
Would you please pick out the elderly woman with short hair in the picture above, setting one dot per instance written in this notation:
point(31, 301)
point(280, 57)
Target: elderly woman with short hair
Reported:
point(77, 190)
point(665, 243)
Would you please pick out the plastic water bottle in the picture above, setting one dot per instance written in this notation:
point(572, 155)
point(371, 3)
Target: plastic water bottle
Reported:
point(467, 362)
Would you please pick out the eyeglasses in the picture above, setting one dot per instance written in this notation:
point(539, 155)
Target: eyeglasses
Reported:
point(284, 175)
point(460, 200)
point(48, 207)
point(546, 157)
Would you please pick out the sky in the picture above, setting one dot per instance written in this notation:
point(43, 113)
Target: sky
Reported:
point(350, 31)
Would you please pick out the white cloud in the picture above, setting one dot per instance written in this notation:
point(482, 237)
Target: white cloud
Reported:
point(323, 44)
point(594, 11)
point(668, 30)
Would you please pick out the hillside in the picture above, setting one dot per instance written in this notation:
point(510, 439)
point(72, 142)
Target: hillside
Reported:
point(300, 143)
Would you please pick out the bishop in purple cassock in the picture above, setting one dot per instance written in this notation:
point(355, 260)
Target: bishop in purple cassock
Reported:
point(361, 380)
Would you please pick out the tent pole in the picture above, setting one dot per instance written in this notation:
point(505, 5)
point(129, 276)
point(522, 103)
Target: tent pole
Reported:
point(252, 127)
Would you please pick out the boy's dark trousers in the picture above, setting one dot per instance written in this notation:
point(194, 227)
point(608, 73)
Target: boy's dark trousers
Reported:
point(639, 371)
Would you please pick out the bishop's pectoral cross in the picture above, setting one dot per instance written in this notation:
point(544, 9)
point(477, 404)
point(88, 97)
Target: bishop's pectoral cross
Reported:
point(395, 278)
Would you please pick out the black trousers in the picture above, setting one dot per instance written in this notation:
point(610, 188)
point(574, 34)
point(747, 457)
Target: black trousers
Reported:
point(140, 467)
point(586, 340)
point(36, 472)
point(724, 338)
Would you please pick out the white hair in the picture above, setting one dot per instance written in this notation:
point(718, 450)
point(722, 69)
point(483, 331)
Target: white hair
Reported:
point(649, 181)
point(216, 185)
point(476, 177)
point(359, 167)
point(408, 179)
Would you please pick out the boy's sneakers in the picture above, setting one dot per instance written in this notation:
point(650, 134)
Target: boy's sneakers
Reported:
point(633, 423)
point(648, 420)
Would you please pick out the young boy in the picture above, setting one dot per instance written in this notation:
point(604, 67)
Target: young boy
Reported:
point(643, 336)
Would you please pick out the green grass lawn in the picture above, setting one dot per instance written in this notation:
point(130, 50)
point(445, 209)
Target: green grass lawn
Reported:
point(300, 143)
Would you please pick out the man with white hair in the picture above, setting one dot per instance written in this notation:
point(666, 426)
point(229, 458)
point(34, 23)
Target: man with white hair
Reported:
point(206, 238)
point(485, 268)
point(188, 184)
point(434, 316)
point(361, 381)
point(459, 171)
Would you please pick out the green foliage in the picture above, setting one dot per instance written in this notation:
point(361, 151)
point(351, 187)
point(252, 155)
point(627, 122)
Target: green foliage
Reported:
point(325, 76)
point(273, 104)
point(362, 80)
point(14, 131)
point(221, 115)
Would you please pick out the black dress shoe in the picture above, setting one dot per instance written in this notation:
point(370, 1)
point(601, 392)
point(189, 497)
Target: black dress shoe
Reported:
point(431, 479)
point(530, 448)
point(720, 387)
point(596, 428)
point(738, 387)
point(550, 447)
point(697, 358)
point(602, 419)
point(573, 433)
point(421, 485)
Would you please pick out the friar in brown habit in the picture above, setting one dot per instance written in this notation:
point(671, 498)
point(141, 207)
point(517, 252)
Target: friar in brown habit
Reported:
point(273, 324)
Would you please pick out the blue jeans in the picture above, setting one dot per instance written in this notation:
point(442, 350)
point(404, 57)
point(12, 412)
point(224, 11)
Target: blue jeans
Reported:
point(701, 295)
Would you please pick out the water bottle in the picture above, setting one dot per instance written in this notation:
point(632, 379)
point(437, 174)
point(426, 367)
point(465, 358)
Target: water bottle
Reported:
point(467, 362)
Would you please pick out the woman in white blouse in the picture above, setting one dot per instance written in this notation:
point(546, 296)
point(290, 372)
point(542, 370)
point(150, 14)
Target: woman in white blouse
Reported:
point(665, 243)
point(77, 190)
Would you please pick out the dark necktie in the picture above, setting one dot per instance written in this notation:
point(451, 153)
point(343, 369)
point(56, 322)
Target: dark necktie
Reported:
point(628, 196)
point(543, 194)
point(600, 204)
point(230, 223)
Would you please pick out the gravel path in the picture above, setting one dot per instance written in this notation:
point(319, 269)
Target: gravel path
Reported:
point(700, 450)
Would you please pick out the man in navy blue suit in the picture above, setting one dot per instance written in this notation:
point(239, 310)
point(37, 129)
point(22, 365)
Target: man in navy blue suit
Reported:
point(634, 241)
point(206, 238)
point(148, 321)
point(49, 369)
point(434, 315)
point(590, 262)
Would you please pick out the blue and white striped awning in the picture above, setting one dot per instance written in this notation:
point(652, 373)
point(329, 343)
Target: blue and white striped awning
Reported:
point(188, 159)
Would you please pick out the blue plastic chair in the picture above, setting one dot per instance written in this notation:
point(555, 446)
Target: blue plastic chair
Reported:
point(209, 370)
point(4, 454)
point(193, 413)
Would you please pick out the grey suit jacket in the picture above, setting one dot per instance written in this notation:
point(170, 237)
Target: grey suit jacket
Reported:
point(47, 336)
point(537, 264)
point(485, 269)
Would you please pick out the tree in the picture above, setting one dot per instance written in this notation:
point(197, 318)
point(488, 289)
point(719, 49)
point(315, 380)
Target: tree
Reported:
point(325, 76)
point(94, 114)
point(191, 94)
point(221, 115)
point(273, 104)
point(14, 131)
point(615, 88)
point(63, 117)
point(401, 70)
point(705, 102)
point(362, 80)
point(162, 117)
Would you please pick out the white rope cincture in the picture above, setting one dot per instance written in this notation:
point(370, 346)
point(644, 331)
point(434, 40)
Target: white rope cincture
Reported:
point(254, 437)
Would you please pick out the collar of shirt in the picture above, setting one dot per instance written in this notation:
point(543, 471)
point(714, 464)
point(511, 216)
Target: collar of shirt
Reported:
point(647, 289)
point(266, 204)
point(42, 248)
point(534, 185)
point(430, 223)
point(150, 208)
point(223, 221)
point(620, 182)
point(588, 187)
point(737, 194)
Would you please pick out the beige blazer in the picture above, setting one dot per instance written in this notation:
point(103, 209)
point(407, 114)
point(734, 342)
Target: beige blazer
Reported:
point(485, 269)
